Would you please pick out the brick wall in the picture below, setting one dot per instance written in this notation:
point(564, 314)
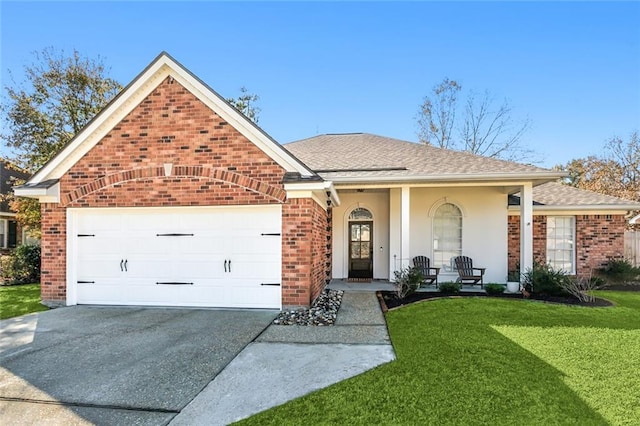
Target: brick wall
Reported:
point(53, 286)
point(598, 239)
point(212, 164)
point(304, 248)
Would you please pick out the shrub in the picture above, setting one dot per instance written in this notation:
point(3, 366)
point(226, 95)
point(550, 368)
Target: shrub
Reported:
point(543, 279)
point(619, 271)
point(407, 281)
point(580, 288)
point(449, 288)
point(22, 266)
point(494, 289)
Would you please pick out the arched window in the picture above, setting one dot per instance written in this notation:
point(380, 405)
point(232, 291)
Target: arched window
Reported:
point(447, 235)
point(360, 214)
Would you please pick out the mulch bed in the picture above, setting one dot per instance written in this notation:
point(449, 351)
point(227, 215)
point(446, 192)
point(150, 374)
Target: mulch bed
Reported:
point(389, 298)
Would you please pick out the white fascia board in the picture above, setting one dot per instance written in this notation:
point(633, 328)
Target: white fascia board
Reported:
point(502, 178)
point(575, 210)
point(634, 220)
point(313, 190)
point(134, 94)
point(44, 195)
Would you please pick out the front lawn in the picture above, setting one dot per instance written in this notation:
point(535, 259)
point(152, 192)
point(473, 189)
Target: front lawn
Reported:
point(492, 361)
point(19, 300)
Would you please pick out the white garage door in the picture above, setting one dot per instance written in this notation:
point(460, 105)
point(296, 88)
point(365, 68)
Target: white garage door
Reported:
point(213, 257)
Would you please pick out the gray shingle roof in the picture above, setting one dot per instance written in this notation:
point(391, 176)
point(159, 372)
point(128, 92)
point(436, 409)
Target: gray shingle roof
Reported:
point(556, 194)
point(367, 157)
point(362, 155)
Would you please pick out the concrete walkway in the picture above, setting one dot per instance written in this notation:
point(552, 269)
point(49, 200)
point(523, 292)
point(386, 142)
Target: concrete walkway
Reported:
point(287, 362)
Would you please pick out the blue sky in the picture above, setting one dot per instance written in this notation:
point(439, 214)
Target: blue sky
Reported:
point(572, 68)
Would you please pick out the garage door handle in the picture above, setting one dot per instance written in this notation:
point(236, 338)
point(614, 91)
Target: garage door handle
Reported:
point(225, 265)
point(121, 263)
point(229, 265)
point(125, 265)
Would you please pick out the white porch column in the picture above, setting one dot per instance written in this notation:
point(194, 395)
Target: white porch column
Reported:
point(526, 228)
point(405, 207)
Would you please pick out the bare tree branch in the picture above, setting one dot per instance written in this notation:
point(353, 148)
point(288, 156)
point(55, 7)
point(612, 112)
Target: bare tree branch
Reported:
point(436, 116)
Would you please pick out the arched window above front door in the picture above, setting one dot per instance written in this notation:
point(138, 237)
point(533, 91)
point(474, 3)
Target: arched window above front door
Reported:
point(447, 235)
point(360, 213)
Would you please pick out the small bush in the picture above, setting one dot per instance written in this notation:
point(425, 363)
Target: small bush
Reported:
point(580, 288)
point(494, 289)
point(543, 279)
point(619, 271)
point(407, 281)
point(449, 288)
point(22, 266)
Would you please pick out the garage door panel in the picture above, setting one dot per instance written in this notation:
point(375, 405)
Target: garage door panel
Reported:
point(185, 249)
point(102, 294)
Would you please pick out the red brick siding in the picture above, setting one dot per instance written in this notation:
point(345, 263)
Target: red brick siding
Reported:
point(53, 241)
point(304, 241)
point(321, 245)
point(598, 238)
point(213, 164)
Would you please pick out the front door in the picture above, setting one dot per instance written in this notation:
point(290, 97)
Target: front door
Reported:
point(360, 249)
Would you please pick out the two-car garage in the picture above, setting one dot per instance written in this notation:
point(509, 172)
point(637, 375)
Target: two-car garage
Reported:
point(229, 256)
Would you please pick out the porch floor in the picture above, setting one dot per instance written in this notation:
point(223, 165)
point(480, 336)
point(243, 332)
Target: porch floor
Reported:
point(384, 285)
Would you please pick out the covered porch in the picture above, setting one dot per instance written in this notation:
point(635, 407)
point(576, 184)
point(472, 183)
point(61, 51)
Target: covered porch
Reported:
point(386, 285)
point(377, 230)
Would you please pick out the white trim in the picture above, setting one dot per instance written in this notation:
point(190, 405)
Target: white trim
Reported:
point(347, 232)
point(432, 215)
point(569, 211)
point(588, 207)
point(163, 67)
point(405, 226)
point(316, 190)
point(446, 200)
point(511, 178)
point(573, 242)
point(526, 227)
point(44, 195)
point(3, 242)
point(634, 220)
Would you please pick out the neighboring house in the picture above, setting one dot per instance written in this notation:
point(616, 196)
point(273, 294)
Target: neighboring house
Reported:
point(10, 231)
point(170, 196)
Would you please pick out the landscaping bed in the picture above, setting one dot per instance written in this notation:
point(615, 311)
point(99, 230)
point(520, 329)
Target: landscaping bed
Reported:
point(391, 301)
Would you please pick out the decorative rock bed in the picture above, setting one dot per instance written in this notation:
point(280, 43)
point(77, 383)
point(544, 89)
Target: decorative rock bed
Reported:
point(323, 311)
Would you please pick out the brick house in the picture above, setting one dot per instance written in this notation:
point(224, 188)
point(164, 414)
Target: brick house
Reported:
point(11, 234)
point(172, 197)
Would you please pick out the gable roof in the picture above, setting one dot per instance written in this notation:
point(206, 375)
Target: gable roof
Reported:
point(554, 195)
point(163, 66)
point(363, 157)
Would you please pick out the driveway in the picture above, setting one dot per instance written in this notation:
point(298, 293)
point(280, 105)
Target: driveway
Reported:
point(115, 365)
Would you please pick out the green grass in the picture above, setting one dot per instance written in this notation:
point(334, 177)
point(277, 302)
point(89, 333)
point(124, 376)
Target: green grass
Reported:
point(477, 361)
point(18, 300)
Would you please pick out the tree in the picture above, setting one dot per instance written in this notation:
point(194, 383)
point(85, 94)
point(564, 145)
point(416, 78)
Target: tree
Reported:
point(437, 115)
point(485, 128)
point(245, 103)
point(616, 172)
point(59, 96)
point(62, 94)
